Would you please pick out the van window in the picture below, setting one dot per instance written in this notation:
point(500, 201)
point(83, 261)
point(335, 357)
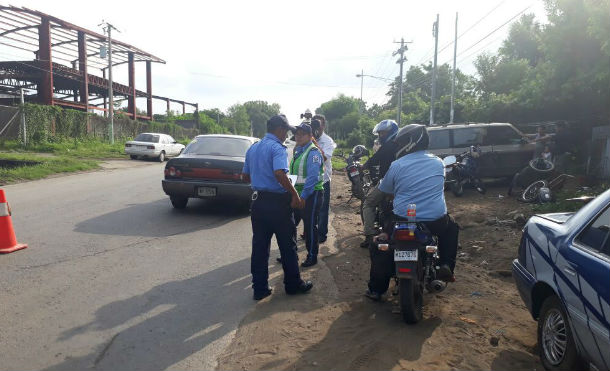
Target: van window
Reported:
point(465, 137)
point(439, 139)
point(500, 135)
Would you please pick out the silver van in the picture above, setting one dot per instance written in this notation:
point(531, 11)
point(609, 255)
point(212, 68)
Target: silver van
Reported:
point(505, 150)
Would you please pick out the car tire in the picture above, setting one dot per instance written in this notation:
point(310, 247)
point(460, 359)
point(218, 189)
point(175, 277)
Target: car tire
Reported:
point(179, 202)
point(161, 157)
point(133, 157)
point(554, 332)
point(530, 194)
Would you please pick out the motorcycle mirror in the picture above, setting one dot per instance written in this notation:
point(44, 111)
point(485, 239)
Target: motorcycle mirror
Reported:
point(449, 160)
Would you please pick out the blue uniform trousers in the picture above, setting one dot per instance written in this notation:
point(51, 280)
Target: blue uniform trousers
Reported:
point(310, 216)
point(272, 214)
point(324, 209)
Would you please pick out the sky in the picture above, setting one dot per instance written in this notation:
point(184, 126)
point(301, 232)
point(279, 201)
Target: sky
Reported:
point(297, 54)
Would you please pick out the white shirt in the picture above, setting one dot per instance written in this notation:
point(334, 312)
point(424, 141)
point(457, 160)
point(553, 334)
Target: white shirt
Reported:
point(328, 145)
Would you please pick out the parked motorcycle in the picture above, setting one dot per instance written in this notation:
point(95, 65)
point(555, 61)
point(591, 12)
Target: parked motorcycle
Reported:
point(361, 180)
point(416, 262)
point(461, 170)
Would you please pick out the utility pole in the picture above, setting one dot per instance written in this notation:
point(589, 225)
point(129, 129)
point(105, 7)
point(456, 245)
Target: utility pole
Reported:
point(108, 29)
point(435, 33)
point(23, 127)
point(403, 48)
point(361, 86)
point(453, 71)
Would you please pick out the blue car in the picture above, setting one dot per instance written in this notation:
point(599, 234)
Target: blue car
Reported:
point(563, 276)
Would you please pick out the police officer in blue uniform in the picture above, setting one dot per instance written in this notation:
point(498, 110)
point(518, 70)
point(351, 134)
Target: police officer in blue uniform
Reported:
point(274, 197)
point(308, 165)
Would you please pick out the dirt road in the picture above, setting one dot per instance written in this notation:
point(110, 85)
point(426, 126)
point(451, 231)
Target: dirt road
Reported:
point(478, 323)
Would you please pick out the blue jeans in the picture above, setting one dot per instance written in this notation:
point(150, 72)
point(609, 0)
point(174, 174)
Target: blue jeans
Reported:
point(324, 209)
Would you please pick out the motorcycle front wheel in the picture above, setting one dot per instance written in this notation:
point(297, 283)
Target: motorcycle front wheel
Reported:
point(457, 188)
point(411, 300)
point(479, 186)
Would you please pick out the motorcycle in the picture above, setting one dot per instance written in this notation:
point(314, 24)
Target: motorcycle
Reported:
point(462, 170)
point(361, 180)
point(415, 252)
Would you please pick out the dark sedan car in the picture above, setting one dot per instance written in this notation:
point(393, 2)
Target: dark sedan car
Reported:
point(563, 276)
point(210, 167)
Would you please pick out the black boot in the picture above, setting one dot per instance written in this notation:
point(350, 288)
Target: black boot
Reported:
point(368, 239)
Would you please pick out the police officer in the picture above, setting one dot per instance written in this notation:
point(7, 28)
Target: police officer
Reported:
point(307, 165)
point(273, 199)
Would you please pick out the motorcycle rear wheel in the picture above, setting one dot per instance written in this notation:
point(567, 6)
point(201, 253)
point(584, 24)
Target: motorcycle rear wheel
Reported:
point(411, 300)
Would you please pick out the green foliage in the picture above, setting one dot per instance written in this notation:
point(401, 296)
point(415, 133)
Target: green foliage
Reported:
point(46, 166)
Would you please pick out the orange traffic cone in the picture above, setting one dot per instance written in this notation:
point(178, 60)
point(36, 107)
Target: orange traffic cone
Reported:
point(8, 241)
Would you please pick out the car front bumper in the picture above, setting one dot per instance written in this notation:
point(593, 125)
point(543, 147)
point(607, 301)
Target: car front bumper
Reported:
point(189, 189)
point(525, 282)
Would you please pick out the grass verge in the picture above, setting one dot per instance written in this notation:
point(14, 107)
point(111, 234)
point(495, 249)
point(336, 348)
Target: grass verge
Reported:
point(44, 166)
point(86, 148)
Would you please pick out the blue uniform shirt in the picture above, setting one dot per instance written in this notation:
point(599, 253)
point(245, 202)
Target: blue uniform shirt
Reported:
point(314, 162)
point(417, 178)
point(262, 160)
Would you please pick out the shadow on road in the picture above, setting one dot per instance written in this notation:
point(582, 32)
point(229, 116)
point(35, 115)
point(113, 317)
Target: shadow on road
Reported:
point(167, 324)
point(160, 219)
point(352, 336)
point(515, 360)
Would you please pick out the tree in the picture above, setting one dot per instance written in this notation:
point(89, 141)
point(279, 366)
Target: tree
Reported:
point(334, 110)
point(259, 112)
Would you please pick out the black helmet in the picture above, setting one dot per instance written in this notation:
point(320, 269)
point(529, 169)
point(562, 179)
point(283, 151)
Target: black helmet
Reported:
point(411, 138)
point(360, 150)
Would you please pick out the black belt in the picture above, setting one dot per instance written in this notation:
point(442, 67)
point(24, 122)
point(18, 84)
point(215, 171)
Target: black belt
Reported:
point(266, 195)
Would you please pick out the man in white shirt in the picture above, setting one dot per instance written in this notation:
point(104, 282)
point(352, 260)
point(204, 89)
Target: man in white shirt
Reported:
point(327, 145)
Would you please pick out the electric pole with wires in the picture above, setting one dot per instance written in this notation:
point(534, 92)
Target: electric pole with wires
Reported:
point(403, 48)
point(451, 113)
point(107, 27)
point(433, 96)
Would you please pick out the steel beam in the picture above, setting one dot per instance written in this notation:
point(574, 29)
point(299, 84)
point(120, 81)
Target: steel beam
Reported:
point(131, 105)
point(82, 66)
point(45, 88)
point(149, 106)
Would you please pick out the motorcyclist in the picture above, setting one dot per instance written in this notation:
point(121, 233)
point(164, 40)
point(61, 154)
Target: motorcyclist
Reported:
point(416, 177)
point(383, 157)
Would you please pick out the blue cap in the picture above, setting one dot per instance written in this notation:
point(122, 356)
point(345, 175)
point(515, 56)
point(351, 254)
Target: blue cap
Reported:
point(305, 127)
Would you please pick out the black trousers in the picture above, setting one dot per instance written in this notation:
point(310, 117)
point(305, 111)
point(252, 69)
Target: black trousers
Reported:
point(272, 214)
point(382, 262)
point(311, 216)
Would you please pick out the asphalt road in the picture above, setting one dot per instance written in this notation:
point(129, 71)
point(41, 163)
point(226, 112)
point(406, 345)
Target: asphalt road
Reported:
point(115, 279)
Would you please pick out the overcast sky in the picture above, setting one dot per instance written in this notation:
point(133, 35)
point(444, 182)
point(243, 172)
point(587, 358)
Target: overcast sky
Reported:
point(297, 54)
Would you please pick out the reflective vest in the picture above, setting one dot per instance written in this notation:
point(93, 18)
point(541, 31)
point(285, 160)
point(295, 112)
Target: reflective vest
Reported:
point(298, 167)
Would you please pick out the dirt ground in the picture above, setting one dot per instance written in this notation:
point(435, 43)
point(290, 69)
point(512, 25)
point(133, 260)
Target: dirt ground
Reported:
point(477, 323)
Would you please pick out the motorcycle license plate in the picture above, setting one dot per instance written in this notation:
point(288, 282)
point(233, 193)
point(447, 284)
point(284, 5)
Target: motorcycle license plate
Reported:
point(406, 255)
point(354, 172)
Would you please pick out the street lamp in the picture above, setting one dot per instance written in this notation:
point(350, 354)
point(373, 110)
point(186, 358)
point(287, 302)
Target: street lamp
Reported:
point(361, 76)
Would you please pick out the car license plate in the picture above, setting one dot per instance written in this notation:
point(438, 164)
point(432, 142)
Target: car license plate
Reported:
point(406, 255)
point(207, 191)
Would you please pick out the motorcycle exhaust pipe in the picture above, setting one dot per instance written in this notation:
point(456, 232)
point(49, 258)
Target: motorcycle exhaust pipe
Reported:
point(437, 286)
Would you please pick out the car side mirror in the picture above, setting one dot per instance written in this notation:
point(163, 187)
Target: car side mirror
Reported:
point(174, 142)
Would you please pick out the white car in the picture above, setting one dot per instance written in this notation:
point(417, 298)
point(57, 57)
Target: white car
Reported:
point(153, 145)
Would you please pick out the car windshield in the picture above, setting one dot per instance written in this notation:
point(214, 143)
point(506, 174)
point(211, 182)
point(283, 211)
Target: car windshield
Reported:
point(150, 138)
point(218, 146)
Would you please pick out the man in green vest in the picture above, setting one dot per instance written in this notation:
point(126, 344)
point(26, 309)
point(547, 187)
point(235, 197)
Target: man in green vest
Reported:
point(308, 166)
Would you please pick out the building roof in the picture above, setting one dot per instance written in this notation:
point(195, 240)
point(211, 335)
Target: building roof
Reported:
point(19, 29)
